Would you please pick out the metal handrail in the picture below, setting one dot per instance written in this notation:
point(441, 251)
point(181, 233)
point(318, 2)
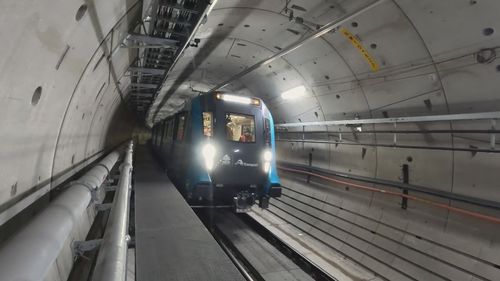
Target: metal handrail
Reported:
point(111, 262)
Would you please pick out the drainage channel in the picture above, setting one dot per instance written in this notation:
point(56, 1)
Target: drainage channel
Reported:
point(257, 252)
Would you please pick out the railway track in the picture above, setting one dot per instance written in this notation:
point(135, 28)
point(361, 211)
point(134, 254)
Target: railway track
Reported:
point(293, 210)
point(256, 252)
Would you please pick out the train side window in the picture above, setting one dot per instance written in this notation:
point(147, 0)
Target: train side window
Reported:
point(267, 131)
point(170, 132)
point(165, 131)
point(180, 128)
point(240, 128)
point(208, 124)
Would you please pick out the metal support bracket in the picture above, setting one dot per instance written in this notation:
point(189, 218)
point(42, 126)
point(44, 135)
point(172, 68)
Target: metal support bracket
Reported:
point(103, 207)
point(145, 41)
point(80, 247)
point(93, 190)
point(109, 188)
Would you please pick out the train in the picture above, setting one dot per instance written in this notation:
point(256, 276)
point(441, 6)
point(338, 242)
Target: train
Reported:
point(219, 150)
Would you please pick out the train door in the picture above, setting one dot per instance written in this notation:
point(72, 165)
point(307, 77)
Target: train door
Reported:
point(241, 145)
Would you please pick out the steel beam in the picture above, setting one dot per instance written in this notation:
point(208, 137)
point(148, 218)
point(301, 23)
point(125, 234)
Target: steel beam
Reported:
point(145, 86)
point(178, 7)
point(414, 119)
point(175, 21)
point(152, 71)
point(150, 40)
point(147, 95)
point(145, 41)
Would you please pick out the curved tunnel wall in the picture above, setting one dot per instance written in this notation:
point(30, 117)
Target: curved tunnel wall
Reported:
point(428, 56)
point(67, 50)
point(431, 62)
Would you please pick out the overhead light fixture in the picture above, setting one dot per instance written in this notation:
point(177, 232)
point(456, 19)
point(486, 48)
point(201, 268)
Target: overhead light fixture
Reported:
point(238, 99)
point(294, 93)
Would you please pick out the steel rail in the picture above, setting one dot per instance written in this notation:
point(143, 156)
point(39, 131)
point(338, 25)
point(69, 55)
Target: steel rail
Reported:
point(316, 34)
point(333, 246)
point(29, 254)
point(288, 250)
point(235, 261)
point(111, 264)
point(406, 259)
point(404, 231)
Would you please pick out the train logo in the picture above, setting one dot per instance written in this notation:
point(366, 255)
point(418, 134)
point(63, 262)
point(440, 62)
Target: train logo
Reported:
point(226, 160)
point(241, 163)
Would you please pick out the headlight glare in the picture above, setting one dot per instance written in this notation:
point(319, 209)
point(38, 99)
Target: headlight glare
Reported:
point(208, 152)
point(268, 156)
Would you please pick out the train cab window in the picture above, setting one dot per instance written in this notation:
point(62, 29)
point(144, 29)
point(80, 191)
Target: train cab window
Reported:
point(208, 124)
point(180, 128)
point(240, 128)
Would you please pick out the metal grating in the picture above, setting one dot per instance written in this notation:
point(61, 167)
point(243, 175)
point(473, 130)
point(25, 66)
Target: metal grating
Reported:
point(171, 24)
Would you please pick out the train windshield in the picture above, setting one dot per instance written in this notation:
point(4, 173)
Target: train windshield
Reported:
point(240, 128)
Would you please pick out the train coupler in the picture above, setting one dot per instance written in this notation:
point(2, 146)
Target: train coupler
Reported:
point(243, 201)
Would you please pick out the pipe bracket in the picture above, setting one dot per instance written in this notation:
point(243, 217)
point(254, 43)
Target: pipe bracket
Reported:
point(93, 190)
point(80, 247)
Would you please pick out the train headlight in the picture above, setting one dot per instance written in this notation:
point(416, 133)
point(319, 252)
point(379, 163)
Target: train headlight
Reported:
point(268, 156)
point(208, 152)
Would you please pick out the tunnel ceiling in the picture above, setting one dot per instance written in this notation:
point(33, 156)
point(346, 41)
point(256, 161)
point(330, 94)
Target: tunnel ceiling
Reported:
point(429, 55)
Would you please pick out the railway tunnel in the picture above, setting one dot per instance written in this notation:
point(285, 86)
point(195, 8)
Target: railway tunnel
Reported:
point(385, 116)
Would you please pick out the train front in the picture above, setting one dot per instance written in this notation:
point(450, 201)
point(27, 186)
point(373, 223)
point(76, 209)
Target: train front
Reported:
point(240, 155)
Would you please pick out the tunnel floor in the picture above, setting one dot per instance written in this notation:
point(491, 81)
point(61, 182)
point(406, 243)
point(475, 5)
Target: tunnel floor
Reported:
point(170, 239)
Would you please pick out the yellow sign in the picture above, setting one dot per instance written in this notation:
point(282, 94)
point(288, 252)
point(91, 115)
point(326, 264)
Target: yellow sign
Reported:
point(355, 42)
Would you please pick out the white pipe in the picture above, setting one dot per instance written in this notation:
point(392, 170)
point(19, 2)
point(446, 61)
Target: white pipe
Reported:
point(29, 254)
point(111, 262)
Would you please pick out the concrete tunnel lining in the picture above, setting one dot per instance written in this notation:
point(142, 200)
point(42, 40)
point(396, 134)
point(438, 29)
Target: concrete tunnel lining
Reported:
point(65, 98)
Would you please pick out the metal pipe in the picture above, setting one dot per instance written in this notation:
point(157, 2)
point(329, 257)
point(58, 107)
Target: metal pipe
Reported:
point(29, 254)
point(444, 148)
point(316, 34)
point(111, 262)
point(410, 119)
